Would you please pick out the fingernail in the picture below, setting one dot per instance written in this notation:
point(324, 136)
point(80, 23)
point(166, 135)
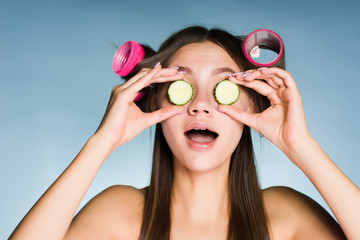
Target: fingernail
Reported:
point(156, 65)
point(181, 72)
point(237, 73)
point(262, 68)
point(219, 110)
point(174, 67)
point(245, 74)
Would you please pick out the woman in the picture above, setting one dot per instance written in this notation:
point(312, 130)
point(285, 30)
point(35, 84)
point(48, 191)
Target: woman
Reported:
point(203, 182)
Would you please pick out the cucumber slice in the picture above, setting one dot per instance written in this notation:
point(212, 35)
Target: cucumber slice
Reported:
point(180, 92)
point(226, 92)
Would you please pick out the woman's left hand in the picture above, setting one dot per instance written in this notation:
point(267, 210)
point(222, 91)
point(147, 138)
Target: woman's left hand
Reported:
point(283, 123)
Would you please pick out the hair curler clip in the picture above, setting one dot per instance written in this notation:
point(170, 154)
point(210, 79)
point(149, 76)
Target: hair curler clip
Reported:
point(266, 39)
point(127, 57)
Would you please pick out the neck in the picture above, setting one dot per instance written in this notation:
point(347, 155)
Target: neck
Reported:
point(200, 197)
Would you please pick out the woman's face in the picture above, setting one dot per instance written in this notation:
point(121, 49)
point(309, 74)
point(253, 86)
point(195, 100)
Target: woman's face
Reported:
point(203, 138)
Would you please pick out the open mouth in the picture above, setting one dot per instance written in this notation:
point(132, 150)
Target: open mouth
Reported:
point(201, 135)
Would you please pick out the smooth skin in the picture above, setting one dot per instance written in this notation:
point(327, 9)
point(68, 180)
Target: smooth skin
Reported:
point(116, 212)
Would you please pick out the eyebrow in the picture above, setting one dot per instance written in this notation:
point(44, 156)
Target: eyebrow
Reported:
point(213, 72)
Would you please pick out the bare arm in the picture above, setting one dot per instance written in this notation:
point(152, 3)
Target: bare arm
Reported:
point(339, 192)
point(51, 216)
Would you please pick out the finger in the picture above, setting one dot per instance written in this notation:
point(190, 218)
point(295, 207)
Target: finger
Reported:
point(245, 74)
point(167, 79)
point(167, 72)
point(140, 74)
point(248, 119)
point(274, 80)
point(130, 93)
point(136, 77)
point(256, 74)
point(282, 74)
point(286, 83)
point(151, 78)
point(258, 85)
point(271, 82)
point(163, 114)
point(133, 86)
point(164, 72)
point(262, 88)
point(274, 98)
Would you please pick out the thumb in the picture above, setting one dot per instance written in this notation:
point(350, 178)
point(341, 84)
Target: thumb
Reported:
point(246, 118)
point(163, 113)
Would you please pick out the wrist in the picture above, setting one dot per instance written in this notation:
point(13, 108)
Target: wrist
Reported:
point(101, 143)
point(301, 149)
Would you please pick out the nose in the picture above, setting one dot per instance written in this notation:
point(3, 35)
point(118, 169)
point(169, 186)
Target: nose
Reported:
point(202, 104)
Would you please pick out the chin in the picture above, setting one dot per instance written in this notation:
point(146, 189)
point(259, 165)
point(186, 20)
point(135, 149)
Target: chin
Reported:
point(201, 162)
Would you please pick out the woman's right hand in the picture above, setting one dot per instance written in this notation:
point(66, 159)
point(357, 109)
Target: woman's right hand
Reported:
point(123, 119)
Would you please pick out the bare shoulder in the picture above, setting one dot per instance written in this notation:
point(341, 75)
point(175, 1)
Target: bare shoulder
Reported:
point(116, 213)
point(293, 215)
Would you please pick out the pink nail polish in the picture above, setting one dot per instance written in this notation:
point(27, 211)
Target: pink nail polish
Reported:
point(219, 110)
point(246, 74)
point(237, 73)
point(157, 64)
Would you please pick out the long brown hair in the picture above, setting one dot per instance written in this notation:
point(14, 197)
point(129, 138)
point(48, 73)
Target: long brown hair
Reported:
point(247, 219)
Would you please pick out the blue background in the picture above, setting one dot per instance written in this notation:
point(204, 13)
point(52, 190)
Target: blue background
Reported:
point(56, 78)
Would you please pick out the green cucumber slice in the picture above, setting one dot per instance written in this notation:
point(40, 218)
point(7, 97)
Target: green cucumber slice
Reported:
point(180, 92)
point(226, 92)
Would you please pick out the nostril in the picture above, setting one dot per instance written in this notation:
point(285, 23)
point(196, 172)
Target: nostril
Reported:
point(205, 111)
point(201, 107)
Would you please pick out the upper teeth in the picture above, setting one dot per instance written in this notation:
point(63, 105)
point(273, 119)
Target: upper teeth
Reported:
point(200, 128)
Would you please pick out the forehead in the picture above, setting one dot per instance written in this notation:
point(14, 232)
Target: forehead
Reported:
point(205, 53)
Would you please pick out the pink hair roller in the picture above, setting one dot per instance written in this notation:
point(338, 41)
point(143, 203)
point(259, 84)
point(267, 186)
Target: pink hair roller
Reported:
point(127, 57)
point(266, 38)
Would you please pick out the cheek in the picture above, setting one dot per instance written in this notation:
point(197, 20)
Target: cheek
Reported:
point(234, 132)
point(230, 132)
point(171, 129)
